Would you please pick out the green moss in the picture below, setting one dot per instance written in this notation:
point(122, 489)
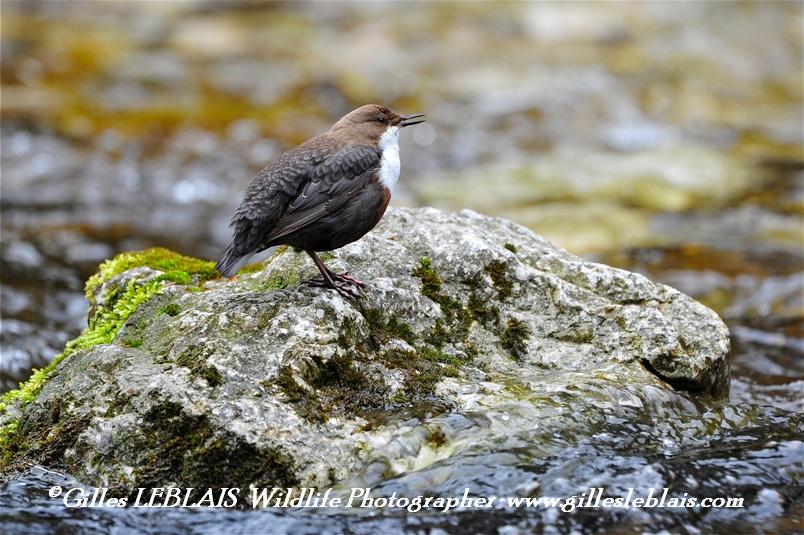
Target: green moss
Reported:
point(290, 387)
point(349, 335)
point(175, 268)
point(8, 435)
point(439, 336)
point(106, 321)
point(421, 375)
point(339, 383)
point(431, 282)
point(194, 358)
point(579, 334)
point(458, 317)
point(256, 267)
point(471, 351)
point(421, 384)
point(422, 368)
point(133, 342)
point(384, 329)
point(511, 247)
point(515, 338)
point(426, 364)
point(498, 271)
point(306, 403)
point(336, 386)
point(326, 256)
point(29, 390)
point(268, 281)
point(482, 311)
point(171, 309)
point(398, 328)
point(279, 281)
point(212, 376)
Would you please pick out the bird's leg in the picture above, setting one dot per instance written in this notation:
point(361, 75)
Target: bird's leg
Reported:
point(328, 279)
point(325, 280)
point(342, 277)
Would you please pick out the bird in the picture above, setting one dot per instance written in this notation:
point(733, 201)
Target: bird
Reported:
point(322, 195)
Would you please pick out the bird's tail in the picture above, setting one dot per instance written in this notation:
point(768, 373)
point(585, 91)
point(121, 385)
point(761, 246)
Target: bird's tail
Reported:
point(231, 262)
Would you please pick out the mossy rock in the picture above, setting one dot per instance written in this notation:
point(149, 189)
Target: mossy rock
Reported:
point(264, 380)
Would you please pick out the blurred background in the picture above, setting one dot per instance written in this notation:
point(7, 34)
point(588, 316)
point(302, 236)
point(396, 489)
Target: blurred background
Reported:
point(660, 137)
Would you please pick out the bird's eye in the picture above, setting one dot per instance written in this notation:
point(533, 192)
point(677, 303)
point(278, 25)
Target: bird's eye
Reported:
point(381, 119)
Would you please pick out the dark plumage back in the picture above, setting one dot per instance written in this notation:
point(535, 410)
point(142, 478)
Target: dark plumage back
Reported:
point(266, 199)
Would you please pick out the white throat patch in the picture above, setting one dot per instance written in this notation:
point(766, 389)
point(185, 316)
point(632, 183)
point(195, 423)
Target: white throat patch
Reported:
point(389, 163)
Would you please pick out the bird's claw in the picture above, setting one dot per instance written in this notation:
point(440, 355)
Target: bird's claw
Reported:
point(346, 289)
point(344, 277)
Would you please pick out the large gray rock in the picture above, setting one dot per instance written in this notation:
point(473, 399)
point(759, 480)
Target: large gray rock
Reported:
point(474, 333)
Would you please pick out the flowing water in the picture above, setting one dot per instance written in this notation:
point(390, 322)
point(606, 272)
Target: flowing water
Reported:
point(657, 137)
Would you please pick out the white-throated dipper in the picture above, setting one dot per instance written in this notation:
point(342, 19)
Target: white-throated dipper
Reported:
point(326, 193)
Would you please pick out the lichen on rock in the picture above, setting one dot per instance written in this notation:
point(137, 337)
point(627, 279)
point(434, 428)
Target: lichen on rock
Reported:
point(465, 317)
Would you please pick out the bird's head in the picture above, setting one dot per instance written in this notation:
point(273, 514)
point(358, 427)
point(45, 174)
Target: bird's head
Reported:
point(370, 122)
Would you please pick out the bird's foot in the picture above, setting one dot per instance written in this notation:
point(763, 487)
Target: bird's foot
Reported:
point(345, 289)
point(345, 278)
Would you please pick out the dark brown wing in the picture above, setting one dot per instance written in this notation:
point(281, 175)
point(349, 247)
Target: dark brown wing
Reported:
point(329, 188)
point(266, 199)
point(291, 192)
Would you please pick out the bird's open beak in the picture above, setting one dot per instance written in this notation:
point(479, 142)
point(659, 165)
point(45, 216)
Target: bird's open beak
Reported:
point(410, 120)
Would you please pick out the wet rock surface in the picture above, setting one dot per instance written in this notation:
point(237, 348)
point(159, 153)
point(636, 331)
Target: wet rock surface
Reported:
point(478, 328)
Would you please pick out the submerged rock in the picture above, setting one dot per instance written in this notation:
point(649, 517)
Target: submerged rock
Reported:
point(474, 333)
